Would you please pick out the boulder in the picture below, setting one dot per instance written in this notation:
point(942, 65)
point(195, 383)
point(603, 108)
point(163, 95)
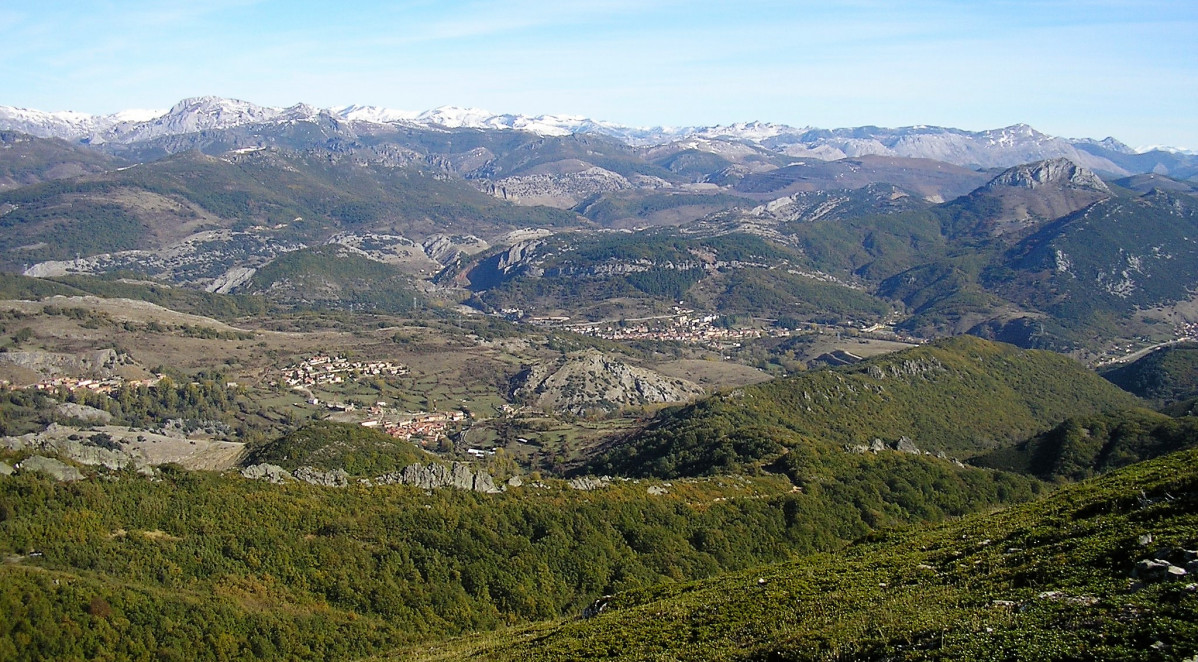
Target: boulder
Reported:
point(587, 483)
point(83, 412)
point(905, 445)
point(314, 476)
point(268, 472)
point(5, 469)
point(1152, 570)
point(56, 469)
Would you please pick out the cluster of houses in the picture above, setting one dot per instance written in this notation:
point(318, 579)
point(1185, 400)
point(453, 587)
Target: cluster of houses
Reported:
point(323, 369)
point(423, 427)
point(682, 328)
point(106, 385)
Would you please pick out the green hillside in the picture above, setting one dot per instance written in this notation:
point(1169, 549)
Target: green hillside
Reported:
point(1164, 376)
point(962, 395)
point(333, 276)
point(1050, 580)
point(131, 568)
point(325, 445)
point(1082, 447)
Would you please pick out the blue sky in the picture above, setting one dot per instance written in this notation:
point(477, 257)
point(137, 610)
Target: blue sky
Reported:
point(1073, 68)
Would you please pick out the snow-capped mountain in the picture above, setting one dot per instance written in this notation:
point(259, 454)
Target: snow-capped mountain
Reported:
point(993, 148)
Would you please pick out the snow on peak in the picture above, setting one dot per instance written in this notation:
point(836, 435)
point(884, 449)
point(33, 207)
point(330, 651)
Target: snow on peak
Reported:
point(138, 115)
point(1166, 148)
point(372, 114)
point(454, 117)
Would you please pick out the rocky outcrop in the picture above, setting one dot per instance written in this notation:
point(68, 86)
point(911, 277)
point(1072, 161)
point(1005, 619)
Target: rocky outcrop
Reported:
point(445, 248)
point(56, 469)
point(458, 475)
point(593, 381)
point(269, 472)
point(557, 189)
point(83, 412)
point(314, 476)
point(1052, 172)
point(6, 469)
point(1166, 564)
point(433, 476)
point(100, 363)
point(588, 483)
point(903, 445)
point(94, 449)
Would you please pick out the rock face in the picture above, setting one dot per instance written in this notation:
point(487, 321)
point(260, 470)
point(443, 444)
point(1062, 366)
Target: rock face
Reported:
point(1026, 195)
point(592, 381)
point(334, 478)
point(459, 475)
point(99, 363)
point(1052, 172)
point(432, 476)
point(83, 412)
point(56, 469)
point(557, 189)
point(268, 472)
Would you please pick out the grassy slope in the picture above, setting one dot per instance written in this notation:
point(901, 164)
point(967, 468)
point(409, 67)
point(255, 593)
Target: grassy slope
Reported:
point(326, 445)
point(962, 394)
point(1046, 581)
point(1083, 446)
point(1164, 376)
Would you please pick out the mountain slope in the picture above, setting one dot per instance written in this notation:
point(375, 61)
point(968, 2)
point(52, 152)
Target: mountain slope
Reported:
point(1050, 580)
point(962, 395)
point(25, 160)
point(1084, 446)
point(1163, 376)
point(273, 201)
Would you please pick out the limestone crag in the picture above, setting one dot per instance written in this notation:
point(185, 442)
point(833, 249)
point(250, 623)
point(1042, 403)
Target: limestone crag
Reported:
point(458, 475)
point(591, 381)
point(97, 364)
point(56, 469)
point(88, 449)
point(272, 473)
point(83, 412)
point(314, 476)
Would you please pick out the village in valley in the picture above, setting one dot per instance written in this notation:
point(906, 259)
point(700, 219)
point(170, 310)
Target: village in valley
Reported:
point(422, 427)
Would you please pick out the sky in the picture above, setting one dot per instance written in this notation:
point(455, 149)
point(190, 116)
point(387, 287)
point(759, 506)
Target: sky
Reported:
point(1085, 68)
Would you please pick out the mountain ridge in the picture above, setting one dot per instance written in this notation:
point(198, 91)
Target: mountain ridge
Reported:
point(999, 147)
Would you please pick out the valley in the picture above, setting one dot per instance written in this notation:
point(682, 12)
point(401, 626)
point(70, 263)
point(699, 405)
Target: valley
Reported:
point(343, 384)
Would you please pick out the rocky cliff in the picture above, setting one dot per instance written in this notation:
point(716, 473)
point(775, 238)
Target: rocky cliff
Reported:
point(591, 381)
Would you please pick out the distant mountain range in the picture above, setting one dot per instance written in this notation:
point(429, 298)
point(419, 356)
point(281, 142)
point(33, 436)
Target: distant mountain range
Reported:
point(1059, 248)
point(995, 148)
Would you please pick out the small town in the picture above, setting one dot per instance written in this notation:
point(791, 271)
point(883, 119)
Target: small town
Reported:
point(322, 369)
point(107, 385)
point(421, 427)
